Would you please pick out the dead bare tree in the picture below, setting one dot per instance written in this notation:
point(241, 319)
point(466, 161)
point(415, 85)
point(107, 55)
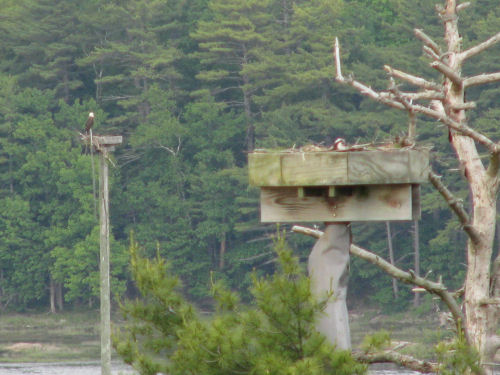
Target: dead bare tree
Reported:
point(446, 103)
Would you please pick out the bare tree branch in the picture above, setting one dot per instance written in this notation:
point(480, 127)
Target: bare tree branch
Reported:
point(397, 358)
point(338, 68)
point(468, 105)
point(419, 33)
point(414, 80)
point(481, 79)
point(462, 6)
point(448, 72)
point(429, 52)
point(414, 96)
point(363, 89)
point(456, 206)
point(407, 277)
point(412, 124)
point(424, 95)
point(392, 101)
point(399, 97)
point(480, 47)
point(461, 128)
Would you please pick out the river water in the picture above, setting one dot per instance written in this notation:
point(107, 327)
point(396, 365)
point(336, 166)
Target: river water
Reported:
point(117, 369)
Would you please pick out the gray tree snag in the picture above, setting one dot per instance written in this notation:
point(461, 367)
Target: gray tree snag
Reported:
point(328, 268)
point(446, 103)
point(395, 289)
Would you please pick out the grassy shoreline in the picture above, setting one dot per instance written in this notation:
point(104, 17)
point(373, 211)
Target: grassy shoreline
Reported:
point(74, 336)
point(45, 337)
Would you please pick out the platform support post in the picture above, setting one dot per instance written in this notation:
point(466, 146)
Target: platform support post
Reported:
point(328, 268)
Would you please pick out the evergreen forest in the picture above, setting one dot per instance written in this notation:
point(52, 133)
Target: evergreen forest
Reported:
point(193, 86)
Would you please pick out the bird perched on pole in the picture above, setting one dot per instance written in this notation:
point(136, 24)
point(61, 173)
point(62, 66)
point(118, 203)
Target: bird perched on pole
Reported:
point(88, 132)
point(89, 123)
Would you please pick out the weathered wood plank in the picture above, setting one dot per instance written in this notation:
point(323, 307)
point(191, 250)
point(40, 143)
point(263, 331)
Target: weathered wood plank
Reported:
point(378, 167)
point(419, 166)
point(314, 168)
point(108, 139)
point(264, 169)
point(357, 203)
point(338, 168)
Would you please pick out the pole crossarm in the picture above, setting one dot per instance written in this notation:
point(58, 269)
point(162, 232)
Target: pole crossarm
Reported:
point(100, 142)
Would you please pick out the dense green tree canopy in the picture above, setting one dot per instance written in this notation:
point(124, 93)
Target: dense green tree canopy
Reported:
point(192, 86)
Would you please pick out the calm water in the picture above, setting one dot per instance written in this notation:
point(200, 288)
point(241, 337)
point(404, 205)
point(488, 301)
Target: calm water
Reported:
point(117, 369)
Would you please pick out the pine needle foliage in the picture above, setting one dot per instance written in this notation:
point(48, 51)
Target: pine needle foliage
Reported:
point(273, 335)
point(456, 357)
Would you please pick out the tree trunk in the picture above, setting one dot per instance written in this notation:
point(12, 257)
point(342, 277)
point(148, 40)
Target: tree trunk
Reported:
point(481, 284)
point(395, 289)
point(479, 321)
point(416, 252)
point(52, 296)
point(59, 297)
point(222, 251)
point(480, 317)
point(328, 267)
point(247, 100)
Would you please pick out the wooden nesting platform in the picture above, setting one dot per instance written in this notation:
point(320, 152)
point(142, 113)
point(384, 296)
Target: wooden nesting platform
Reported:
point(369, 185)
point(101, 142)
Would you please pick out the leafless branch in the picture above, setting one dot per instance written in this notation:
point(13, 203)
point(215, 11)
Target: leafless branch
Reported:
point(449, 73)
point(468, 105)
point(174, 151)
point(392, 101)
point(383, 97)
point(406, 361)
point(399, 97)
point(490, 301)
point(419, 33)
point(456, 206)
point(429, 52)
point(368, 91)
point(316, 233)
point(412, 124)
point(461, 128)
point(463, 6)
point(480, 47)
point(256, 256)
point(414, 80)
point(424, 95)
point(338, 68)
point(414, 96)
point(482, 79)
point(407, 277)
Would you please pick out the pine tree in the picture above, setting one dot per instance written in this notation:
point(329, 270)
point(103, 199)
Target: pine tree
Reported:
point(275, 335)
point(230, 42)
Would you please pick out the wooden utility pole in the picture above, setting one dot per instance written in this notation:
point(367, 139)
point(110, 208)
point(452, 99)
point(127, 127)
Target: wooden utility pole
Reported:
point(103, 145)
point(104, 265)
